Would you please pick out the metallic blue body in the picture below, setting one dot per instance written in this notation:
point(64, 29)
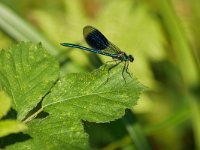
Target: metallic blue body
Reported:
point(90, 50)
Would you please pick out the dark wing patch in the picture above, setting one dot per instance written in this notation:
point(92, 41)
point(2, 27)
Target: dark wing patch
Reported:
point(95, 38)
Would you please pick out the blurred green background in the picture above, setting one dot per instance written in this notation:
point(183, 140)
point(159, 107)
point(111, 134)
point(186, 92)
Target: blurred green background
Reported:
point(163, 36)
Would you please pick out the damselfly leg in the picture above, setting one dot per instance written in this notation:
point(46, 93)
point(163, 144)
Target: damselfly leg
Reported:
point(109, 69)
point(124, 68)
point(127, 70)
point(111, 61)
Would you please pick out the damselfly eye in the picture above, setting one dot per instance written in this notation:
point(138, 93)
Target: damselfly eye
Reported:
point(131, 58)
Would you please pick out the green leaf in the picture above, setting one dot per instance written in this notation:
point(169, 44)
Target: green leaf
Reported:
point(27, 72)
point(27, 75)
point(55, 132)
point(76, 97)
point(11, 126)
point(88, 96)
point(8, 126)
point(4, 104)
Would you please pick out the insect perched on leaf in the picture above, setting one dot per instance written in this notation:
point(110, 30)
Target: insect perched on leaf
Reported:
point(100, 45)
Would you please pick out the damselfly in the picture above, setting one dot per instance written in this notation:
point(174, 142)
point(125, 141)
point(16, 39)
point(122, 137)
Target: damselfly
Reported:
point(100, 45)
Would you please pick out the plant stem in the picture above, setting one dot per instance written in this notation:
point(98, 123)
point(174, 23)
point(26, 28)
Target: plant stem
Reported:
point(135, 131)
point(185, 59)
point(21, 30)
point(33, 116)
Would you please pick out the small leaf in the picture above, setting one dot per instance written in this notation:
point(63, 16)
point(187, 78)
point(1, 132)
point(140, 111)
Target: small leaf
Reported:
point(27, 72)
point(8, 126)
point(11, 126)
point(54, 132)
point(4, 104)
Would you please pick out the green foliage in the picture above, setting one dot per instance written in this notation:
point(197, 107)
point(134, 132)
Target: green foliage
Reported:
point(164, 38)
point(20, 30)
point(8, 126)
point(29, 75)
point(5, 104)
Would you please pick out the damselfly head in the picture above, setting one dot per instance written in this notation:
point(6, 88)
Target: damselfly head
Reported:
point(131, 58)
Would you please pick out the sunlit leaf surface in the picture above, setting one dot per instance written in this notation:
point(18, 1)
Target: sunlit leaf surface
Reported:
point(27, 72)
point(5, 104)
point(75, 97)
